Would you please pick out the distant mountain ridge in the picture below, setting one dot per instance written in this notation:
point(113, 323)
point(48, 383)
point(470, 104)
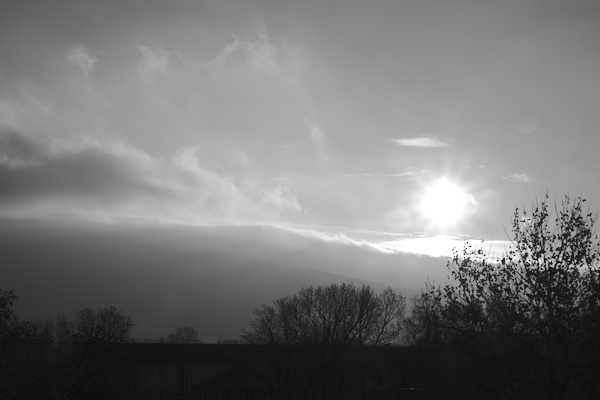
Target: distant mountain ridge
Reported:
point(216, 292)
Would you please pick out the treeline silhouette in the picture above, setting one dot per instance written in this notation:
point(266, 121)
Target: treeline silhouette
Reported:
point(529, 318)
point(85, 359)
point(524, 324)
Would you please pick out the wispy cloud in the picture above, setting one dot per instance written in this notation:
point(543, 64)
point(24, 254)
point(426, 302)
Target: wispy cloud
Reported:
point(260, 51)
point(246, 92)
point(81, 57)
point(23, 108)
point(8, 116)
point(445, 246)
point(363, 175)
point(420, 142)
point(154, 62)
point(409, 175)
point(518, 178)
point(279, 195)
point(105, 179)
point(316, 133)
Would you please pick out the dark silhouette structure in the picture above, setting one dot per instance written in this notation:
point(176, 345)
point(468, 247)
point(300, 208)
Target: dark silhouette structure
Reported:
point(212, 371)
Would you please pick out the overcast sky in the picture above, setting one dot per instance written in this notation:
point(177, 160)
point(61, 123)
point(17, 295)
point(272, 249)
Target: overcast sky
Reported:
point(336, 117)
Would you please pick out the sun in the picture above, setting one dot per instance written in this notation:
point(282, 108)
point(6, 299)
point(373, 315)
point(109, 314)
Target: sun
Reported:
point(444, 203)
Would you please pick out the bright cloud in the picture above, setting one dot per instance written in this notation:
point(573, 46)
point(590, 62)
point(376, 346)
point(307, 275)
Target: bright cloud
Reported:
point(316, 133)
point(317, 136)
point(260, 51)
point(279, 195)
point(409, 175)
point(445, 245)
point(518, 178)
point(77, 155)
point(269, 130)
point(421, 142)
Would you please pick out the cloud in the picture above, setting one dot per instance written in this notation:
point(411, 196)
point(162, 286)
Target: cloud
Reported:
point(517, 178)
point(420, 142)
point(107, 179)
point(8, 116)
point(25, 107)
point(316, 133)
point(63, 157)
point(436, 246)
point(317, 136)
point(246, 92)
point(74, 171)
point(240, 158)
point(322, 234)
point(280, 196)
point(409, 175)
point(405, 176)
point(260, 51)
point(445, 245)
point(17, 151)
point(154, 62)
point(82, 58)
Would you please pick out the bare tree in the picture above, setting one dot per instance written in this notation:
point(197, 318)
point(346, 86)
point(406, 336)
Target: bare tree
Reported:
point(8, 319)
point(423, 327)
point(10, 335)
point(87, 361)
point(333, 325)
point(184, 334)
point(533, 312)
point(96, 365)
point(222, 339)
point(104, 325)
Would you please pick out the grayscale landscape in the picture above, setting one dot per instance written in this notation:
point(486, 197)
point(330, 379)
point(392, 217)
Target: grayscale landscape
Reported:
point(327, 199)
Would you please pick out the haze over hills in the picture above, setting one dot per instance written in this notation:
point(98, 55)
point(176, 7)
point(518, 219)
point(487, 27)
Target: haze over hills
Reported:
point(167, 276)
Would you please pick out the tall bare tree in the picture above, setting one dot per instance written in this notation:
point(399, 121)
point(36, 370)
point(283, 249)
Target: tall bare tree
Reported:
point(184, 334)
point(86, 361)
point(332, 325)
point(532, 313)
point(104, 325)
point(96, 364)
point(423, 327)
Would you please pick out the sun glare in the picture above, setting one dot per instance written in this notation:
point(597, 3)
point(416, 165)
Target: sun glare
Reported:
point(444, 203)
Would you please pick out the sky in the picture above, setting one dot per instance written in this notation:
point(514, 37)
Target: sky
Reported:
point(389, 126)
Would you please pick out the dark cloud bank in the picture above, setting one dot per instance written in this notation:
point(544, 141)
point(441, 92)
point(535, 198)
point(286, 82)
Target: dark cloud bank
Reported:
point(166, 276)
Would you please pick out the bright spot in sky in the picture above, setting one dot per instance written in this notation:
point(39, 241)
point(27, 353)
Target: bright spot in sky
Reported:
point(444, 203)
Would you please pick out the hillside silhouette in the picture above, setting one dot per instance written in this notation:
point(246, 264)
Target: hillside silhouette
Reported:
point(169, 276)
